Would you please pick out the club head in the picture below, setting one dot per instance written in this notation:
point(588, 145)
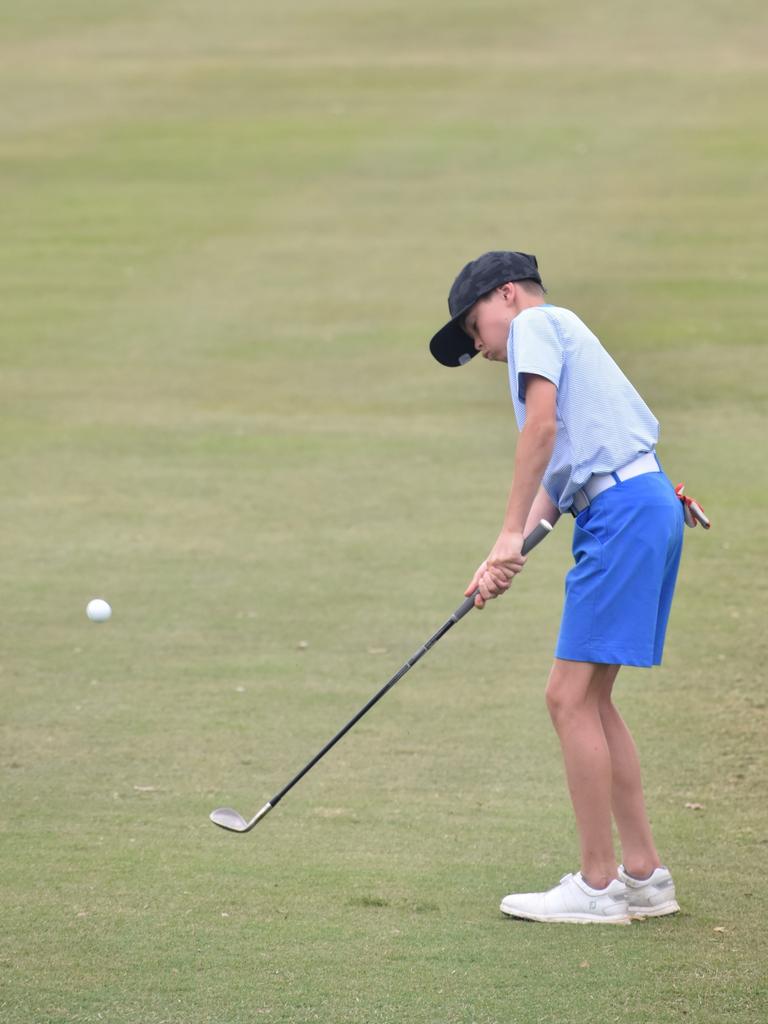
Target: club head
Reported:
point(225, 817)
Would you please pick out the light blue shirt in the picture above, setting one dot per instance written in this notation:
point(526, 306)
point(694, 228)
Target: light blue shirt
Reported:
point(602, 422)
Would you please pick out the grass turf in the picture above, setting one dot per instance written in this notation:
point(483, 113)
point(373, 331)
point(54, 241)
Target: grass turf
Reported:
point(228, 233)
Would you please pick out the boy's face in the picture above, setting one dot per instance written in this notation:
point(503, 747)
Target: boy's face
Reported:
point(487, 323)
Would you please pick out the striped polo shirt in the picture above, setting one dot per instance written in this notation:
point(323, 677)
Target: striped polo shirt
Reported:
point(602, 422)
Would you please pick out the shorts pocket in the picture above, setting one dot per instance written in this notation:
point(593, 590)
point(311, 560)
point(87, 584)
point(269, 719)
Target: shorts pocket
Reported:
point(591, 521)
point(588, 542)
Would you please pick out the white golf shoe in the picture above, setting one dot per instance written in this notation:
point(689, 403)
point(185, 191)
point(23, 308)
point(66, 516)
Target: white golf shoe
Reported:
point(572, 901)
point(650, 897)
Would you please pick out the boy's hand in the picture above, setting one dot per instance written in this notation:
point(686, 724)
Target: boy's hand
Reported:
point(496, 573)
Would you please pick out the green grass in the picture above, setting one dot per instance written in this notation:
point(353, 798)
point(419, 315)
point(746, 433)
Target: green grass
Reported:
point(227, 234)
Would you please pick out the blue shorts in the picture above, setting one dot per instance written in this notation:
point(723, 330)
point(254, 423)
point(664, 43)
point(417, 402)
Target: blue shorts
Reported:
point(627, 545)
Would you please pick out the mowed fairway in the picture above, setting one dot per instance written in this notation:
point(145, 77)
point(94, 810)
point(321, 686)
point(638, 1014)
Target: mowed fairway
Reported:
point(228, 230)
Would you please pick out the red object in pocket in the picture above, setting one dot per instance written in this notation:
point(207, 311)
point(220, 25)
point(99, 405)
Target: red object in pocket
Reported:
point(692, 510)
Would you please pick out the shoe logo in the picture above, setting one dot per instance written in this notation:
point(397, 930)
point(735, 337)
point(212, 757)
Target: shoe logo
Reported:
point(593, 904)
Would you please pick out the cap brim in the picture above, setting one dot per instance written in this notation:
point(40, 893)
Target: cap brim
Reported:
point(452, 346)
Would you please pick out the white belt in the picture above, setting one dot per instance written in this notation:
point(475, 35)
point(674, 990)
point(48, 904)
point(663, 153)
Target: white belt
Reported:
point(598, 482)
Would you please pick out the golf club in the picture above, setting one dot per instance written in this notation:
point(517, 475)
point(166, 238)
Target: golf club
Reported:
point(231, 820)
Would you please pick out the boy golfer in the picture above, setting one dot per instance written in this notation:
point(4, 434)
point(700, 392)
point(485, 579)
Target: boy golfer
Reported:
point(586, 446)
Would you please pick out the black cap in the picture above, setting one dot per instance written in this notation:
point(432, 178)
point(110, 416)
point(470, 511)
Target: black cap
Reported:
point(452, 346)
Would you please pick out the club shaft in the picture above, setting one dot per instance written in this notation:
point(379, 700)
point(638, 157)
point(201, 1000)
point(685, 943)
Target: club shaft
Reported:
point(353, 721)
point(534, 537)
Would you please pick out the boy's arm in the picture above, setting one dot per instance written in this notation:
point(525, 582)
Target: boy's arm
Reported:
point(532, 456)
point(528, 501)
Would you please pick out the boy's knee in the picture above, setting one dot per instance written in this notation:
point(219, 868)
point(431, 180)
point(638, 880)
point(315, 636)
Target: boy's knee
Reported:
point(559, 695)
point(554, 705)
point(560, 703)
point(569, 689)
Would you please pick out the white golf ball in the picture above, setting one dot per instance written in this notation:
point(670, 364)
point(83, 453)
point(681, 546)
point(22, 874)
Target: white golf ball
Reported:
point(98, 610)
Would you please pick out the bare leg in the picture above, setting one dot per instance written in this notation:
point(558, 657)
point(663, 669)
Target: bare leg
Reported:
point(627, 801)
point(573, 698)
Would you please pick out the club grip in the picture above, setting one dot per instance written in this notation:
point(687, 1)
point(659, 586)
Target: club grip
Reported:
point(536, 536)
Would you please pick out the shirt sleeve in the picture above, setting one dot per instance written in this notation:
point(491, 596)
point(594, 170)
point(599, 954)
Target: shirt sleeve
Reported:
point(538, 349)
